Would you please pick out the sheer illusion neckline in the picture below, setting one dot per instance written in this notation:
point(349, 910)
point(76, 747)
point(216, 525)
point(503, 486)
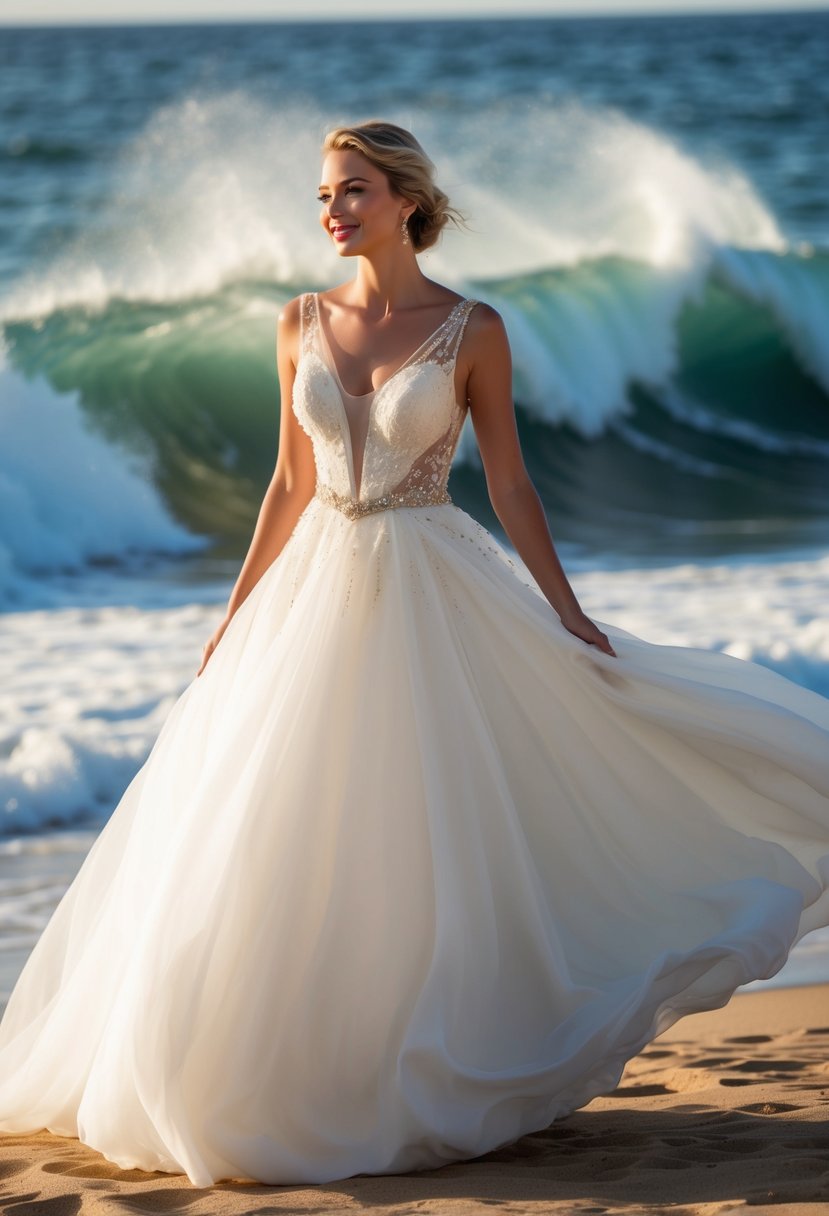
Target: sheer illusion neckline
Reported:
point(373, 392)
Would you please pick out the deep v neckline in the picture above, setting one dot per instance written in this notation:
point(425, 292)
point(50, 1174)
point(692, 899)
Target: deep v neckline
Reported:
point(373, 392)
point(366, 400)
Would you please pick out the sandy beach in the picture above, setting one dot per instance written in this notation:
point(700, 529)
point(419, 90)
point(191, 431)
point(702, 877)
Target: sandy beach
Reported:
point(726, 1110)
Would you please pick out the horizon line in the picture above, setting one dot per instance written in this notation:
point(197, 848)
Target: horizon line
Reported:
point(727, 10)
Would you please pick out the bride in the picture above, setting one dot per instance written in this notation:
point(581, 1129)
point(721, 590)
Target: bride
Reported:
point(380, 205)
point(422, 855)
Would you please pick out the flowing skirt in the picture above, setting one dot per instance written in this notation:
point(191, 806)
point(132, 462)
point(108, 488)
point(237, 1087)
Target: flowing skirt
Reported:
point(411, 871)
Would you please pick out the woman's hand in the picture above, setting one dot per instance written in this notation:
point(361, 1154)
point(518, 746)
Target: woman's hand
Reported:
point(212, 643)
point(579, 624)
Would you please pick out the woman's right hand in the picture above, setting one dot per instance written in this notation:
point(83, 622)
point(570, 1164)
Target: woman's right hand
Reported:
point(212, 643)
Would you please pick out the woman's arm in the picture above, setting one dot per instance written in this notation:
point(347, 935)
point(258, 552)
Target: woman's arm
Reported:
point(513, 496)
point(291, 486)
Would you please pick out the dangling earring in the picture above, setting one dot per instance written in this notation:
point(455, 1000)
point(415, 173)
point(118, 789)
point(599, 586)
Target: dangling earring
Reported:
point(404, 230)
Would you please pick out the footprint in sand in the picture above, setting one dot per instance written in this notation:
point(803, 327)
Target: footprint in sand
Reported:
point(639, 1091)
point(762, 1065)
point(768, 1108)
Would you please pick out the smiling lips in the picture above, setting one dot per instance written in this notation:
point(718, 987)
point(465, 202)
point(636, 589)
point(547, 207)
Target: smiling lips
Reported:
point(341, 231)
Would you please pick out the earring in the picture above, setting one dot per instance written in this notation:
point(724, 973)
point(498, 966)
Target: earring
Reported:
point(404, 230)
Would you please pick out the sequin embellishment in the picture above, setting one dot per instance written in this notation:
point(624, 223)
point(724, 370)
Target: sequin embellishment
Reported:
point(413, 496)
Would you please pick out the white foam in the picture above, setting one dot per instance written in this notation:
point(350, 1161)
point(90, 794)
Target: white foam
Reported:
point(68, 495)
point(771, 612)
point(195, 206)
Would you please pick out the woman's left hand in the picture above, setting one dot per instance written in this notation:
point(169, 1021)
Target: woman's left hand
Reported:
point(581, 625)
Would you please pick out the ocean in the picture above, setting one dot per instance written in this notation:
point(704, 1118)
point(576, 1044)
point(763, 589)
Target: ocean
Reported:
point(647, 205)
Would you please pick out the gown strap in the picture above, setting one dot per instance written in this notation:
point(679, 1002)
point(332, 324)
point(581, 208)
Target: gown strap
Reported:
point(463, 316)
point(306, 322)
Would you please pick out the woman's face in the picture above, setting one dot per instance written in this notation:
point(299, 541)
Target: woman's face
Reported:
point(359, 211)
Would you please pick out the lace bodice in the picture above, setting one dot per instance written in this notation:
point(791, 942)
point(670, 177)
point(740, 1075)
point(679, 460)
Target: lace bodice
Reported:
point(392, 446)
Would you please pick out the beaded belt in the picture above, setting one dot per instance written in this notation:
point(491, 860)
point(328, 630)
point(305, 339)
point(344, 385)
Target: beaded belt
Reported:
point(414, 496)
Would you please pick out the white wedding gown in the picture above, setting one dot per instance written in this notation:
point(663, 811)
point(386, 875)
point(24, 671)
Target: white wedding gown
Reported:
point(411, 870)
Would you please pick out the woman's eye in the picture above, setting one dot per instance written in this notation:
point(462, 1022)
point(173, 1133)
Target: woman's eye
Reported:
point(323, 198)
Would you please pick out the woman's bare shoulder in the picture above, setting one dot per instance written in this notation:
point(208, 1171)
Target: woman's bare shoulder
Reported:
point(288, 329)
point(484, 325)
point(485, 348)
point(289, 314)
point(484, 316)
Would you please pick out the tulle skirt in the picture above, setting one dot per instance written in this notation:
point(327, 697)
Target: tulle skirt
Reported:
point(411, 871)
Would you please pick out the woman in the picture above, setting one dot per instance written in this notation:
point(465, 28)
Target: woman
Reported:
point(379, 317)
point(424, 855)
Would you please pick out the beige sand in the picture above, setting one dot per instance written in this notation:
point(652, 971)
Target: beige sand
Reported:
point(726, 1111)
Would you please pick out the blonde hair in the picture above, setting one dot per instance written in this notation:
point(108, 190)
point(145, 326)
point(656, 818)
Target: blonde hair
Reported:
point(396, 153)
